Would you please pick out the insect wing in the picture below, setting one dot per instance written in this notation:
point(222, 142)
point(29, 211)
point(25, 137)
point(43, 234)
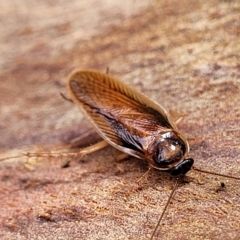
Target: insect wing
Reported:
point(125, 118)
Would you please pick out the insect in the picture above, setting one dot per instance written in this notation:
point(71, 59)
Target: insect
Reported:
point(130, 122)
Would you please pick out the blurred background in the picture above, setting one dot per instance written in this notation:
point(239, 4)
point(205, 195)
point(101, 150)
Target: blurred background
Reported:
point(40, 43)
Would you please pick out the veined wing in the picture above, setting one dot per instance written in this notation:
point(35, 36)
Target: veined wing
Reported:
point(123, 117)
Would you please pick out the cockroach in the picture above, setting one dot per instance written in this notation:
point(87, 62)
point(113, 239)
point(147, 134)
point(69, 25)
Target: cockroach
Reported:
point(131, 123)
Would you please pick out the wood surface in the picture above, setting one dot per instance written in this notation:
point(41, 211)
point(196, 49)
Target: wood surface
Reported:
point(183, 54)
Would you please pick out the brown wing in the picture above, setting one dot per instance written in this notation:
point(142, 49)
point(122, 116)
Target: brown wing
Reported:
point(123, 117)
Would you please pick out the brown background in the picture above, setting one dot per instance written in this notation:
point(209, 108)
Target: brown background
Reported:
point(184, 54)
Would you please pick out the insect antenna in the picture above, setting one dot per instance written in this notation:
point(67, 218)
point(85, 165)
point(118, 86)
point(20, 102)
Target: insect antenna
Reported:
point(165, 207)
point(176, 186)
point(213, 173)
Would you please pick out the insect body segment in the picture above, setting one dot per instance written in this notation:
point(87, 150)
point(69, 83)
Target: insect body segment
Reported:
point(129, 121)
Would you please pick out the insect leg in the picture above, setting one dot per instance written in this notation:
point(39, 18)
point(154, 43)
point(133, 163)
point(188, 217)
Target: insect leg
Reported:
point(65, 98)
point(107, 70)
point(178, 120)
point(121, 156)
point(7, 158)
point(135, 184)
point(144, 175)
point(82, 152)
point(93, 148)
point(84, 139)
